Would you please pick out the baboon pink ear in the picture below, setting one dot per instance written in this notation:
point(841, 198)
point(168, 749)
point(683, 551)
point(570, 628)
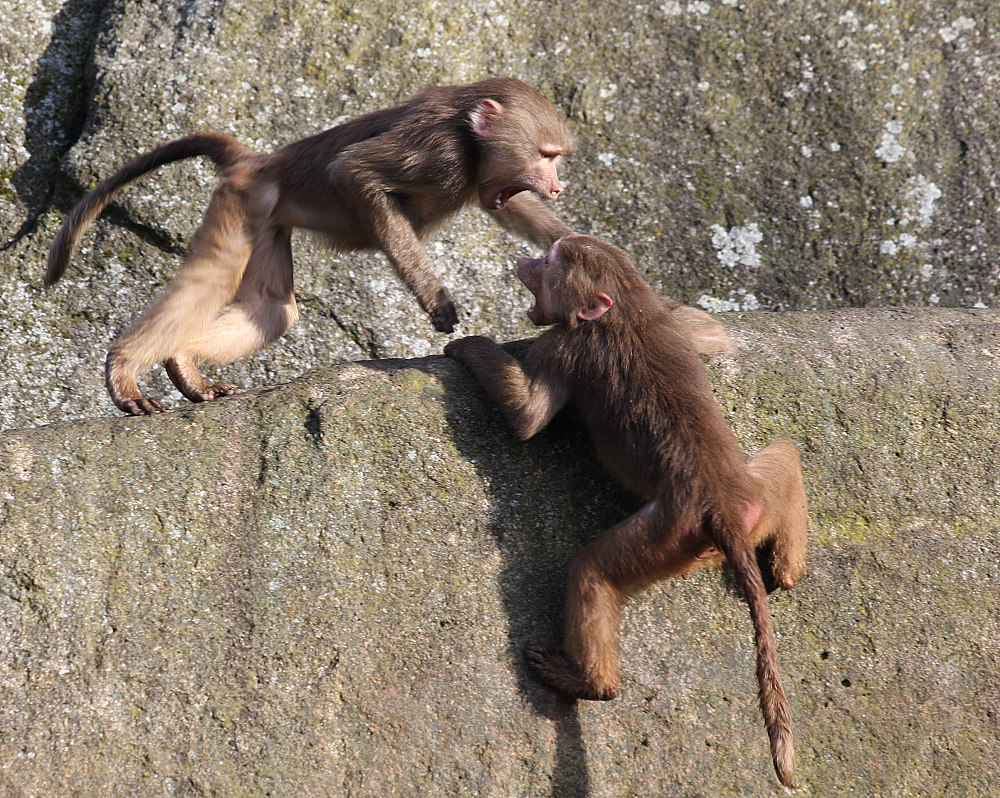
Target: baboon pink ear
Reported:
point(485, 116)
point(599, 305)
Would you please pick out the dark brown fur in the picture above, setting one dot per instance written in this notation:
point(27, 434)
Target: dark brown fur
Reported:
point(384, 181)
point(627, 360)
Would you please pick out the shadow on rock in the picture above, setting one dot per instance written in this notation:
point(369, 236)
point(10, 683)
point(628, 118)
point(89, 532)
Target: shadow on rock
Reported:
point(55, 107)
point(534, 487)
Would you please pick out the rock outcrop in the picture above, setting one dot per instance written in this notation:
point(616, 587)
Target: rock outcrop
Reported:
point(751, 155)
point(323, 588)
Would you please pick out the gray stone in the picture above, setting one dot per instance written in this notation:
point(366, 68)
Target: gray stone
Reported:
point(750, 154)
point(323, 588)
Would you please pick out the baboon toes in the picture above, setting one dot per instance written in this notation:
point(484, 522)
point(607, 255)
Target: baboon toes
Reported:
point(142, 406)
point(558, 671)
point(215, 391)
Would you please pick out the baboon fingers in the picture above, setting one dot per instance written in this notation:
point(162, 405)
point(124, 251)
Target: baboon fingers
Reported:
point(444, 317)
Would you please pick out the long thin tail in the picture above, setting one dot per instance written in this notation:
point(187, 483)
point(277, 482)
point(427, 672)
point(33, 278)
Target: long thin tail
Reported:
point(223, 150)
point(773, 704)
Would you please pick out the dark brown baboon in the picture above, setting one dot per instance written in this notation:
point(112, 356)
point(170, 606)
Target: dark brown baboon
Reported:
point(627, 360)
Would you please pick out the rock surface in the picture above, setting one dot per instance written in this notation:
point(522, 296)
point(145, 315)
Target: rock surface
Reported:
point(323, 588)
point(751, 154)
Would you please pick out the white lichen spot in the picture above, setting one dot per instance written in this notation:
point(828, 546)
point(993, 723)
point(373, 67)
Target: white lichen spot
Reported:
point(607, 158)
point(934, 299)
point(611, 89)
point(699, 7)
point(834, 146)
point(927, 271)
point(850, 19)
point(890, 150)
point(908, 240)
point(741, 299)
point(888, 247)
point(860, 65)
point(806, 201)
point(711, 303)
point(672, 9)
point(750, 301)
point(806, 151)
point(738, 245)
point(703, 85)
point(961, 25)
point(920, 196)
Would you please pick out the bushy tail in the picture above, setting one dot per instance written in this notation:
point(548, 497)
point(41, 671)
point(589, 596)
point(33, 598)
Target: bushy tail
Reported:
point(773, 704)
point(223, 150)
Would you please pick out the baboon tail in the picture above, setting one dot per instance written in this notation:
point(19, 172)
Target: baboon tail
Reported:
point(223, 150)
point(773, 704)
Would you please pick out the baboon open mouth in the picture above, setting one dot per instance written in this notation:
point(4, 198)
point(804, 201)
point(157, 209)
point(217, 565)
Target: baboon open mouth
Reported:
point(503, 197)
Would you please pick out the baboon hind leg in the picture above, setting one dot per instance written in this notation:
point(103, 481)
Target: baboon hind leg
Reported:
point(263, 309)
point(785, 523)
point(205, 283)
point(646, 547)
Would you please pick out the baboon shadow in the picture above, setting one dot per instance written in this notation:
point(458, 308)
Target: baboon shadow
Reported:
point(55, 108)
point(536, 488)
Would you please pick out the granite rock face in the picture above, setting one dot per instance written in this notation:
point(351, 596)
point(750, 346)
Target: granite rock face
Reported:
point(751, 155)
point(324, 588)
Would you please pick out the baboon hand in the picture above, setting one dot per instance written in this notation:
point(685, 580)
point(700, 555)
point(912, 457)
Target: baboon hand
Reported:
point(444, 317)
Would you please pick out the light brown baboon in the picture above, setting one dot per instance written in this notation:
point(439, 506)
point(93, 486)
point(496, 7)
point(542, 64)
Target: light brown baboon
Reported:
point(383, 180)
